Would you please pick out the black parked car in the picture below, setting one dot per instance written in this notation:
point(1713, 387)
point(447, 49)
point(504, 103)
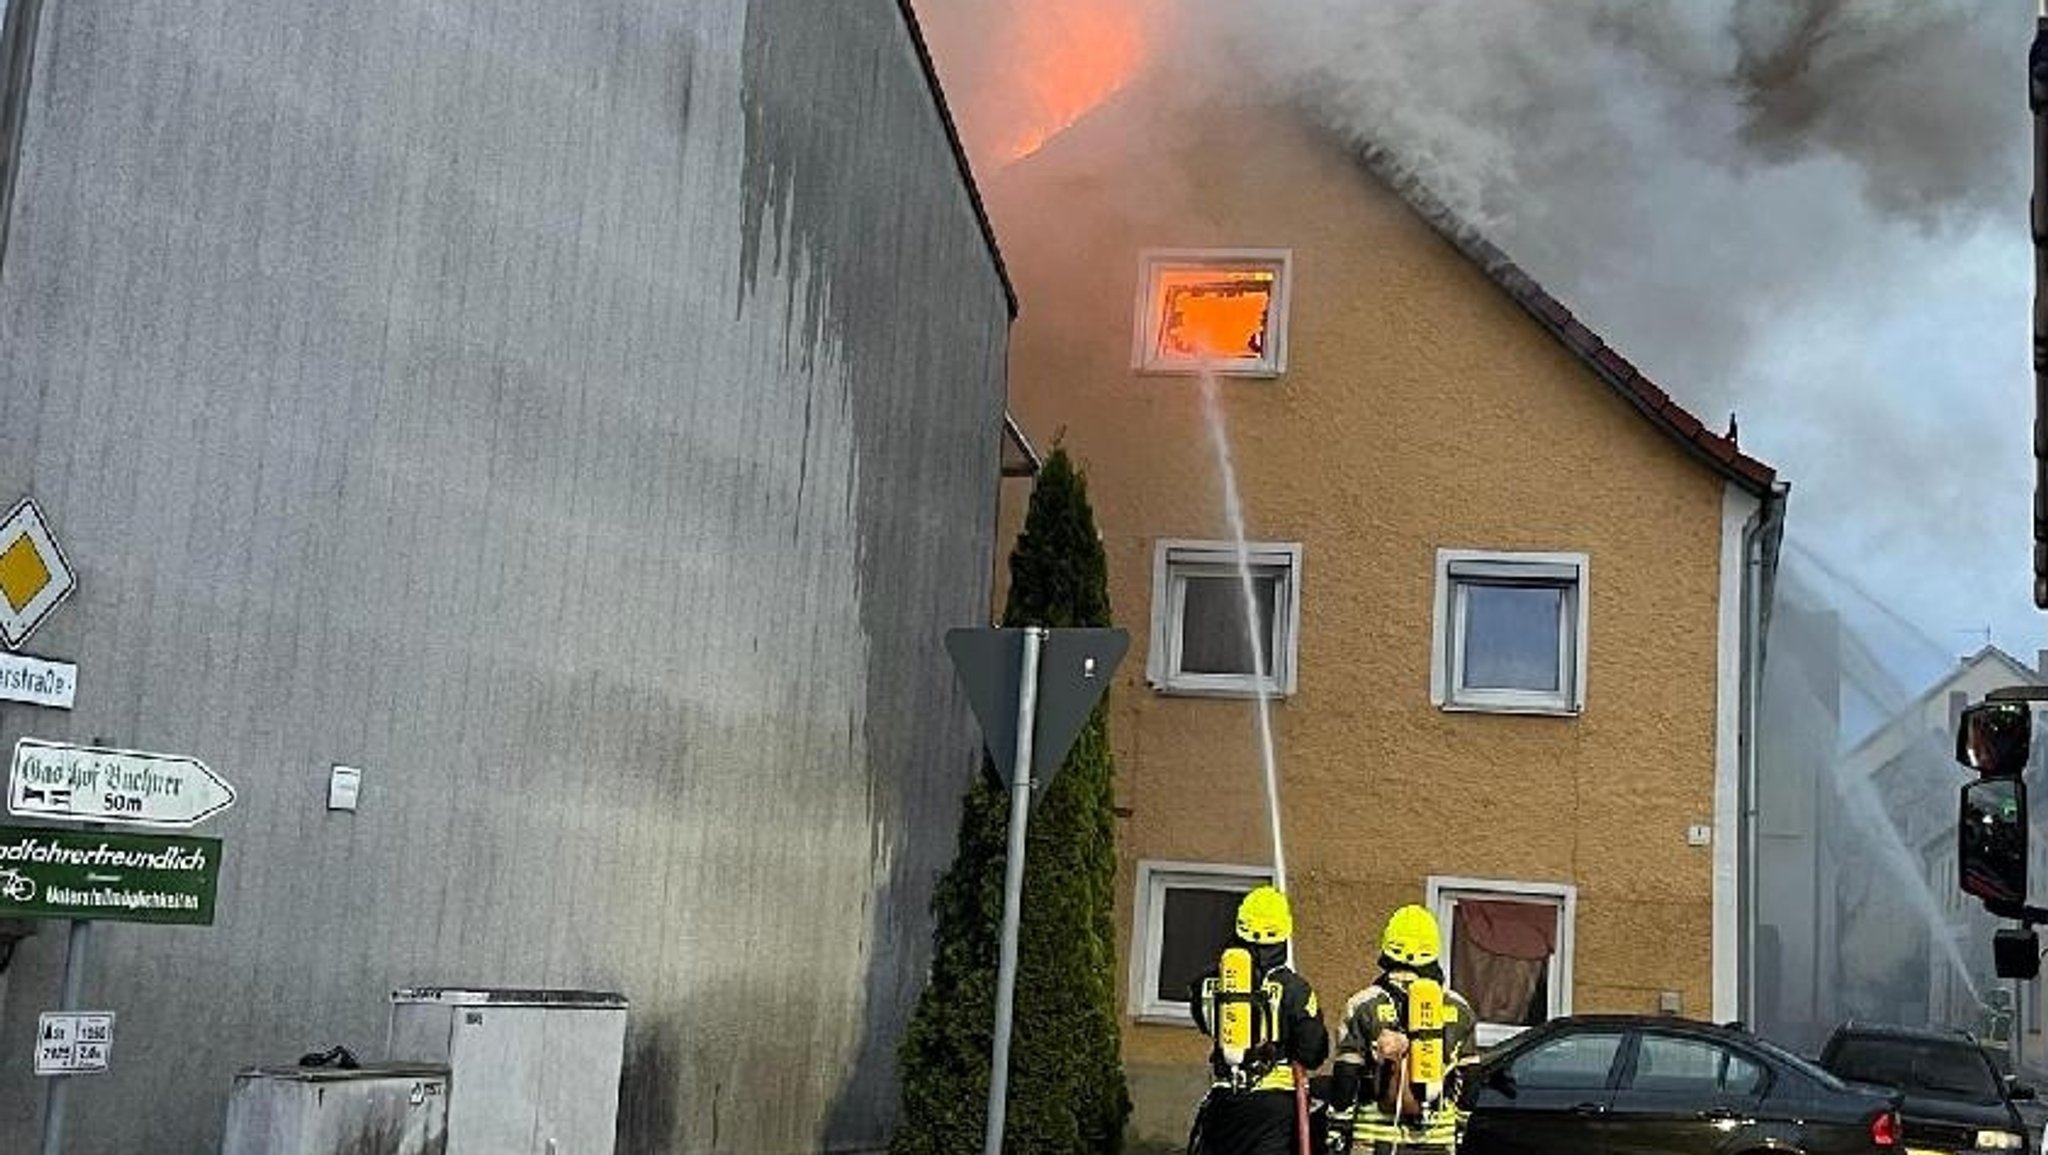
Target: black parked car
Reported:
point(1637, 1084)
point(1955, 1097)
point(2023, 1088)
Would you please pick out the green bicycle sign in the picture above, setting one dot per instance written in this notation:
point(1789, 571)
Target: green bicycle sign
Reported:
point(110, 877)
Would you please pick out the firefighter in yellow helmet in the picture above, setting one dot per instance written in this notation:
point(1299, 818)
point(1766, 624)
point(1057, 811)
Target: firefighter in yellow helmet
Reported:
point(1402, 1049)
point(1269, 1034)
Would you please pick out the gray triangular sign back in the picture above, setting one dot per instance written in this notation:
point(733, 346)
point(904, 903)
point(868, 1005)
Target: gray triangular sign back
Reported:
point(1074, 670)
point(987, 660)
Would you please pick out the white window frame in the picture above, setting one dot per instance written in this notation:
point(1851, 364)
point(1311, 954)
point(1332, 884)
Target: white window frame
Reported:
point(1176, 559)
point(1572, 571)
point(1146, 320)
point(1444, 893)
point(1148, 927)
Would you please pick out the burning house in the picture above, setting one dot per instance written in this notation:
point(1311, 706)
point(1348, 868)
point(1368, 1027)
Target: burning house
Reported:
point(1509, 594)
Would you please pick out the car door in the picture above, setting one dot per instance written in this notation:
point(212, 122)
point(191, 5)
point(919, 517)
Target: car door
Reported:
point(1548, 1099)
point(1683, 1095)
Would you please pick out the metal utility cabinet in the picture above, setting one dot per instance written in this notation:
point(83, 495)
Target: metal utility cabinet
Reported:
point(532, 1072)
point(386, 1110)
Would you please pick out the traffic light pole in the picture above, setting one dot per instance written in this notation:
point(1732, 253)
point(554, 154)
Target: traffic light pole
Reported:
point(2037, 104)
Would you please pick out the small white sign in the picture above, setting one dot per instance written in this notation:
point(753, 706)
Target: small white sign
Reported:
point(343, 784)
point(123, 787)
point(37, 681)
point(35, 577)
point(74, 1042)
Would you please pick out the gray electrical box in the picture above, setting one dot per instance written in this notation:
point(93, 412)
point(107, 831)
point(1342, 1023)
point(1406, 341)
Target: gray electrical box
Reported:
point(532, 1072)
point(383, 1110)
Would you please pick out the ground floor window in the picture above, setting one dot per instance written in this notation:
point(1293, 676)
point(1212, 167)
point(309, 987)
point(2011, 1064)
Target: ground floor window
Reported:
point(1508, 949)
point(1184, 917)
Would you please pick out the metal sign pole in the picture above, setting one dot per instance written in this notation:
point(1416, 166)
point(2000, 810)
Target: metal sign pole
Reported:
point(54, 1092)
point(1013, 892)
point(73, 998)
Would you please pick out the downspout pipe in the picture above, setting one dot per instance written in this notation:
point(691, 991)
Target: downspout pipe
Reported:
point(1761, 539)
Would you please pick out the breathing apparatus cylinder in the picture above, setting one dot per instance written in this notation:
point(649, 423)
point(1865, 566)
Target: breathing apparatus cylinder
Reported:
point(1426, 1038)
point(1234, 1007)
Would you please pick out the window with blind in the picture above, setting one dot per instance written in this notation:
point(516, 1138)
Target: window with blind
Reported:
point(1507, 950)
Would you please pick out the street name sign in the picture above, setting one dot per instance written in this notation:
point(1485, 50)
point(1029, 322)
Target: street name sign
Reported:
point(37, 681)
point(119, 787)
point(164, 878)
point(74, 1042)
point(35, 578)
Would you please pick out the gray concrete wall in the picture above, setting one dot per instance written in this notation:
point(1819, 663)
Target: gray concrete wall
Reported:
point(584, 417)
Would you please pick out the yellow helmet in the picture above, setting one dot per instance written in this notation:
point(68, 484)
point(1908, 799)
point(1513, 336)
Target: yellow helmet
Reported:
point(1411, 937)
point(1263, 917)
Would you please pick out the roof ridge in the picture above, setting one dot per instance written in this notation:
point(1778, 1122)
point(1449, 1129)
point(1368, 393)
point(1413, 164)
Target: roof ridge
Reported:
point(1719, 452)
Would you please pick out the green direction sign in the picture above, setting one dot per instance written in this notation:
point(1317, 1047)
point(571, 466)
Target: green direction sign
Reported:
point(111, 877)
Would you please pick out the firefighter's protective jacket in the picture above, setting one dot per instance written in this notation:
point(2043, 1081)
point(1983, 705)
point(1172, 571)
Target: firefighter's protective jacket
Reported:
point(1378, 1116)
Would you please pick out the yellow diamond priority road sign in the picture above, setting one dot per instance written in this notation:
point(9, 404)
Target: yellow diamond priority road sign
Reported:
point(34, 577)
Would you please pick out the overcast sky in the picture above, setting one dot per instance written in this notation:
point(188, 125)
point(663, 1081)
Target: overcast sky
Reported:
point(1811, 212)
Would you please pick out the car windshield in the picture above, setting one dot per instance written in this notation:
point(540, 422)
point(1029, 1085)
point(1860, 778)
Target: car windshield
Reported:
point(1932, 1067)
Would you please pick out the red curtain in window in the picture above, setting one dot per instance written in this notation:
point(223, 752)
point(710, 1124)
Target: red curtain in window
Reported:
point(1498, 952)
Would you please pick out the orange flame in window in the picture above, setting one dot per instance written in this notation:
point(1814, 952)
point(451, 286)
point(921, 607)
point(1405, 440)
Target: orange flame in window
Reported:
point(1213, 314)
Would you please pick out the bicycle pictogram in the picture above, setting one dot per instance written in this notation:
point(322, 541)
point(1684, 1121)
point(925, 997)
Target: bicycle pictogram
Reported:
point(17, 886)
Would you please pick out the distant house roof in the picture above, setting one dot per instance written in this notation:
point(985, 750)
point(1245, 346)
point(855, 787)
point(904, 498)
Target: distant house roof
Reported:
point(1719, 451)
point(2014, 670)
point(931, 76)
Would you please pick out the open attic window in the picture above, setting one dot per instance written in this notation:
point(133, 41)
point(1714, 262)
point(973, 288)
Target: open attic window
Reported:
point(1218, 310)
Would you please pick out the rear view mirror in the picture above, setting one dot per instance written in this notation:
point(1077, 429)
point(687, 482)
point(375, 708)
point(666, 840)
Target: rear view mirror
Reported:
point(2020, 1090)
point(1991, 840)
point(1994, 738)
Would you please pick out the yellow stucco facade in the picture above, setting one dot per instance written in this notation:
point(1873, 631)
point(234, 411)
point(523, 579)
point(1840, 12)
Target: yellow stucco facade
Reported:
point(1420, 409)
